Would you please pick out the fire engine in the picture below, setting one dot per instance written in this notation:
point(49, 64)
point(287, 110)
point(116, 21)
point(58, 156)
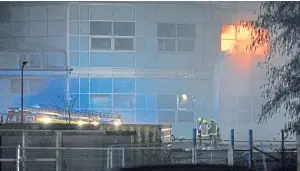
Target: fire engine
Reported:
point(46, 116)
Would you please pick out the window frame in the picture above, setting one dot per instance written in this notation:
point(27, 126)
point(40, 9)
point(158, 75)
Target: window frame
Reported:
point(176, 38)
point(113, 37)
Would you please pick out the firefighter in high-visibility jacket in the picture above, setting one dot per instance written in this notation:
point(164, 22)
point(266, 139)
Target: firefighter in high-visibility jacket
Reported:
point(204, 129)
point(213, 130)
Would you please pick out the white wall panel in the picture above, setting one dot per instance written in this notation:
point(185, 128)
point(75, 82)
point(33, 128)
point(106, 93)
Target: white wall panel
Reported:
point(99, 12)
point(38, 28)
point(57, 12)
point(19, 13)
point(124, 13)
point(38, 13)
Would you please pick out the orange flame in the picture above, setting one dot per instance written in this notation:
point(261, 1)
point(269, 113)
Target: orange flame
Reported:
point(235, 42)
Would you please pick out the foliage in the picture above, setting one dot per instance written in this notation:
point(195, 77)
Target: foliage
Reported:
point(281, 93)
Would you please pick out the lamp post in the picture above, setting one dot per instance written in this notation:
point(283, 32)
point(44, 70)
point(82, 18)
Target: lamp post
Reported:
point(22, 90)
point(69, 70)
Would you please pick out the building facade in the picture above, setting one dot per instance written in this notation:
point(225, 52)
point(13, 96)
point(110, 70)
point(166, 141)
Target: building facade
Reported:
point(154, 63)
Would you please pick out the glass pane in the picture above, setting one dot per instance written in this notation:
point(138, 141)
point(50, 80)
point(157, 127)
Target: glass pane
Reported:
point(84, 43)
point(74, 85)
point(166, 45)
point(100, 101)
point(146, 116)
point(84, 28)
point(101, 28)
point(124, 29)
point(74, 43)
point(37, 85)
point(185, 45)
point(84, 85)
point(100, 43)
point(84, 101)
point(55, 60)
point(166, 116)
point(74, 28)
point(167, 101)
point(101, 85)
point(74, 101)
point(186, 116)
point(84, 12)
point(128, 116)
point(84, 59)
point(186, 30)
point(124, 85)
point(74, 59)
point(35, 60)
point(140, 85)
point(186, 102)
point(124, 101)
point(140, 101)
point(151, 101)
point(245, 103)
point(123, 44)
point(166, 30)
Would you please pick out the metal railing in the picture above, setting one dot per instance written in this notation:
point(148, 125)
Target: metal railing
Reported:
point(90, 159)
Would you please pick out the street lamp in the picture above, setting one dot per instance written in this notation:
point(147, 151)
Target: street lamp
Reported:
point(22, 90)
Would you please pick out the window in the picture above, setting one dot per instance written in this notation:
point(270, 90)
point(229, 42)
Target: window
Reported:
point(175, 37)
point(186, 102)
point(100, 101)
point(186, 30)
point(36, 85)
point(16, 86)
point(166, 116)
point(166, 30)
point(166, 45)
point(100, 43)
point(123, 101)
point(185, 45)
point(186, 116)
point(124, 29)
point(112, 36)
point(123, 44)
point(101, 28)
point(167, 101)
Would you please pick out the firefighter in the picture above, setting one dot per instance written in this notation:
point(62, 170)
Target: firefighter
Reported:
point(213, 130)
point(199, 123)
point(204, 128)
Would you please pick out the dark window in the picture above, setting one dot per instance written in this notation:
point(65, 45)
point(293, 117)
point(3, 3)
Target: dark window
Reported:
point(100, 43)
point(166, 30)
point(123, 44)
point(124, 101)
point(166, 101)
point(101, 28)
point(185, 45)
point(166, 45)
point(166, 116)
point(124, 29)
point(186, 30)
point(186, 116)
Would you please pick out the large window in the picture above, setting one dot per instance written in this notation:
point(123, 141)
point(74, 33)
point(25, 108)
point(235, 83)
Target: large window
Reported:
point(112, 36)
point(175, 37)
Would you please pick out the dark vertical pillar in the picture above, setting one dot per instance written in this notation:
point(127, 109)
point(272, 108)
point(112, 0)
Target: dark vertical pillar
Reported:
point(250, 144)
point(232, 138)
point(195, 137)
point(282, 150)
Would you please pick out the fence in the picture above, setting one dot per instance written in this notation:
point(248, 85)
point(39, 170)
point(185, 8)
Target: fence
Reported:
point(102, 159)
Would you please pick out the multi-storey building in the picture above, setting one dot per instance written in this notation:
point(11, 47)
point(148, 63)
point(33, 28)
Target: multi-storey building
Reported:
point(153, 62)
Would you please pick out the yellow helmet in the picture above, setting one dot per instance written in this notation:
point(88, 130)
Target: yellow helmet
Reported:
point(204, 121)
point(199, 119)
point(212, 119)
